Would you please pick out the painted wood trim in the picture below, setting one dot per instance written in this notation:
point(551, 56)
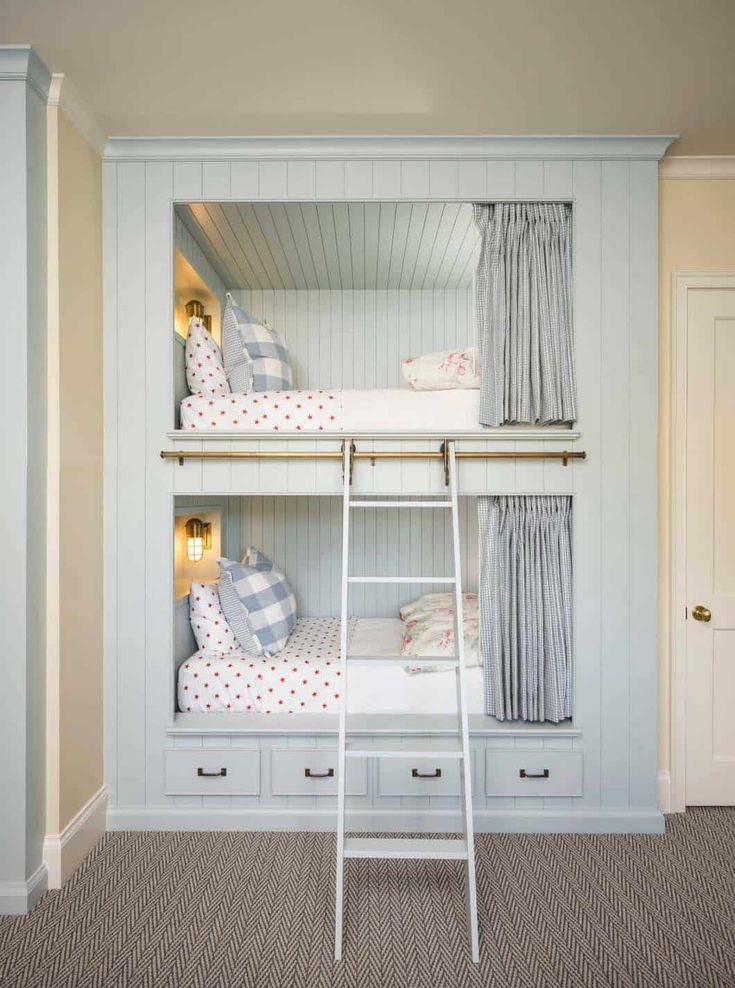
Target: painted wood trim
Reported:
point(63, 852)
point(64, 94)
point(22, 64)
point(230, 724)
point(697, 167)
point(396, 148)
point(602, 821)
point(19, 898)
point(510, 434)
point(681, 283)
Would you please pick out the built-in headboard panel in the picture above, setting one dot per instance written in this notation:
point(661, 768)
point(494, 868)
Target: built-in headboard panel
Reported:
point(184, 640)
point(181, 388)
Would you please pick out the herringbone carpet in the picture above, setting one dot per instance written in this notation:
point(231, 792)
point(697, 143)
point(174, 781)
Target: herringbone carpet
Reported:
point(213, 909)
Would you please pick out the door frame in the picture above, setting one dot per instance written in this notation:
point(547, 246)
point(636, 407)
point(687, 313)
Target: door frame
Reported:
point(681, 284)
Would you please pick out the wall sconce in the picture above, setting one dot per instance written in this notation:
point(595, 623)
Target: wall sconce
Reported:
point(196, 308)
point(198, 538)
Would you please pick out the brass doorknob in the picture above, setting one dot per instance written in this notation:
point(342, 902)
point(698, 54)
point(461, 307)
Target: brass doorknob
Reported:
point(701, 613)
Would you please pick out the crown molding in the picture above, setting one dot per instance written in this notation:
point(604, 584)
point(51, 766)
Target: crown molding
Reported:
point(63, 94)
point(402, 148)
point(20, 63)
point(694, 166)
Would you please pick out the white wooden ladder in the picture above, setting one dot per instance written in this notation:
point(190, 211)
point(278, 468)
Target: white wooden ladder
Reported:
point(459, 747)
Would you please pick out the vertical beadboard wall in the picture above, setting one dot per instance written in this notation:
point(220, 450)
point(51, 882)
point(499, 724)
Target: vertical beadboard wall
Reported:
point(302, 535)
point(356, 339)
point(615, 217)
point(184, 242)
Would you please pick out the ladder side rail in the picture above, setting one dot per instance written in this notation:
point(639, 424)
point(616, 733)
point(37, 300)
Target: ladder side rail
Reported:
point(342, 744)
point(466, 766)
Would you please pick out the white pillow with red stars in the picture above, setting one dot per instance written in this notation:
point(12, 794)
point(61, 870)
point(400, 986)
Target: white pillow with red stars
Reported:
point(208, 622)
point(205, 371)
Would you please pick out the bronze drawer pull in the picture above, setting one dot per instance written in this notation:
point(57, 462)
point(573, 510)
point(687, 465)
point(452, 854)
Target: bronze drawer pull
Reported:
point(329, 774)
point(537, 775)
point(211, 775)
point(436, 774)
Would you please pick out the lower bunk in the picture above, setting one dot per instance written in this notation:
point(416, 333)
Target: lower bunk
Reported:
point(305, 677)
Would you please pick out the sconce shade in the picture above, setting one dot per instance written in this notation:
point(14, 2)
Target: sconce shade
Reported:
point(198, 538)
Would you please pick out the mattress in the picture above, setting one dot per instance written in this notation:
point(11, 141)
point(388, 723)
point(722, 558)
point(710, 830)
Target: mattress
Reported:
point(306, 676)
point(387, 410)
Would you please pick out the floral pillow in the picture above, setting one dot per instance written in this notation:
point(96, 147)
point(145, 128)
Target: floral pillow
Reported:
point(429, 602)
point(208, 622)
point(442, 371)
point(205, 372)
point(429, 629)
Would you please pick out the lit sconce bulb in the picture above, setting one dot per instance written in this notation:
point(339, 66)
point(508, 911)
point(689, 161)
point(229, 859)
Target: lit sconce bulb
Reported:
point(198, 538)
point(195, 549)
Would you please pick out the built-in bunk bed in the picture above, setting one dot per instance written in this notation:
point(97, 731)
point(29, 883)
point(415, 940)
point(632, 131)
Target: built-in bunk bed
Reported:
point(388, 323)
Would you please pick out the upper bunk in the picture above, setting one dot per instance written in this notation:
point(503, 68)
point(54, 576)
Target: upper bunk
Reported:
point(353, 289)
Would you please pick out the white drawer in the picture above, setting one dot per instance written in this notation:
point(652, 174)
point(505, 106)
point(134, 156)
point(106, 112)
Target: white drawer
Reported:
point(528, 772)
point(419, 777)
point(313, 772)
point(213, 772)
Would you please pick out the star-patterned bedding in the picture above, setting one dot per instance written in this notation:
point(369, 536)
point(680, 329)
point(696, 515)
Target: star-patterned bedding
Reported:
point(305, 677)
point(293, 412)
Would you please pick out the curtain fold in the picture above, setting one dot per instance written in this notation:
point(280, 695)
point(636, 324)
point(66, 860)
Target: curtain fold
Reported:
point(523, 301)
point(526, 606)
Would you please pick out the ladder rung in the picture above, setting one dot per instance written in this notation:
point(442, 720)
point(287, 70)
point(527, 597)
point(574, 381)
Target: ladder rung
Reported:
point(380, 661)
point(414, 749)
point(405, 847)
point(400, 504)
point(401, 579)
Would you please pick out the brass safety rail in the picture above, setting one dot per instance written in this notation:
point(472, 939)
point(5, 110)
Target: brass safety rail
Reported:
point(564, 455)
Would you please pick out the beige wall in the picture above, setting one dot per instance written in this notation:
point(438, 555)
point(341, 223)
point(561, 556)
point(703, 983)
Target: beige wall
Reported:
point(697, 234)
point(75, 416)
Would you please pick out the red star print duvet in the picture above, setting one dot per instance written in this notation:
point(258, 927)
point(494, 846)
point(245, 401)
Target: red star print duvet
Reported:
point(263, 411)
point(304, 678)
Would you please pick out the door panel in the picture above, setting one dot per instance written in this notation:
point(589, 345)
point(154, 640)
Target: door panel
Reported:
point(710, 682)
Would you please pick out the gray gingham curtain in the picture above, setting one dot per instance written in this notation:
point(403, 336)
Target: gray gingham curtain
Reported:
point(524, 313)
point(526, 606)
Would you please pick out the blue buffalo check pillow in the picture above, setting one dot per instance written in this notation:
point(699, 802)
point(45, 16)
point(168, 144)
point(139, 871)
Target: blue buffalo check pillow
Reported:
point(258, 603)
point(255, 356)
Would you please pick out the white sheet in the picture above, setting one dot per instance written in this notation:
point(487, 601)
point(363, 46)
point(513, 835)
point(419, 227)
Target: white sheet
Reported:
point(305, 677)
point(388, 410)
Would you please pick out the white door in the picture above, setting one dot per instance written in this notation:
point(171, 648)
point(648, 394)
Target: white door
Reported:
point(710, 548)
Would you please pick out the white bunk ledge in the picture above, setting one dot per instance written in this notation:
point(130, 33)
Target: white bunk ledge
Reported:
point(211, 724)
point(506, 433)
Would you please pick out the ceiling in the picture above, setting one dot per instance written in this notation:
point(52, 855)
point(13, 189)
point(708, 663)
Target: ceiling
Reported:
point(286, 67)
point(337, 245)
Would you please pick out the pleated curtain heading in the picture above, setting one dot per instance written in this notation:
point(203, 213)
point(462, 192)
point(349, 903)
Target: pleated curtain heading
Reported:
point(523, 298)
point(526, 606)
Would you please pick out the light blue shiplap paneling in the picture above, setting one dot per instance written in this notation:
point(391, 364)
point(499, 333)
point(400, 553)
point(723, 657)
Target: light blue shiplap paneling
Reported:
point(131, 465)
point(184, 242)
point(356, 339)
point(303, 537)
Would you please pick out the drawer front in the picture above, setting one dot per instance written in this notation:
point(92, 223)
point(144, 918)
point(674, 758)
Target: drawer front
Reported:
point(528, 772)
point(213, 772)
point(313, 772)
point(419, 777)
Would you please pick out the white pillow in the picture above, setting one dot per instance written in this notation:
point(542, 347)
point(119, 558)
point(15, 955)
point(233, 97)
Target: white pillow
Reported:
point(205, 372)
point(208, 622)
point(442, 371)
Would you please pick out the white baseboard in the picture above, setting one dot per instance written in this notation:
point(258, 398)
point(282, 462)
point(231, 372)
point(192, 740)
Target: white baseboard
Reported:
point(62, 853)
point(663, 790)
point(602, 821)
point(19, 898)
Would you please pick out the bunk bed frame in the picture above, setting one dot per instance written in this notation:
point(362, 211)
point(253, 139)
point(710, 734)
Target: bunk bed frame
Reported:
point(603, 762)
